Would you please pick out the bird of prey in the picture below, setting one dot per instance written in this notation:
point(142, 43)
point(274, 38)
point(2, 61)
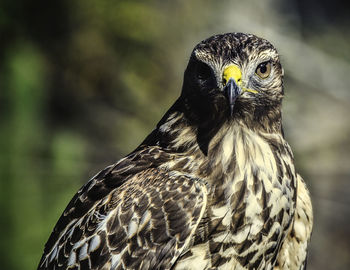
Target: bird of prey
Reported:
point(213, 186)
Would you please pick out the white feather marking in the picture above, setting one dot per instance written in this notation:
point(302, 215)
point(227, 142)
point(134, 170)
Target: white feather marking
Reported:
point(133, 226)
point(223, 237)
point(70, 232)
point(223, 212)
point(53, 253)
point(253, 208)
point(94, 243)
point(198, 260)
point(227, 148)
point(102, 226)
point(279, 202)
point(227, 218)
point(83, 252)
point(252, 213)
point(239, 151)
point(256, 227)
point(232, 264)
point(116, 260)
point(184, 138)
point(300, 230)
point(241, 235)
point(72, 258)
point(145, 218)
point(167, 126)
point(220, 212)
point(79, 243)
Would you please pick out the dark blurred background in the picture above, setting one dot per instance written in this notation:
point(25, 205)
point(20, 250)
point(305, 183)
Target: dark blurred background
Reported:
point(83, 82)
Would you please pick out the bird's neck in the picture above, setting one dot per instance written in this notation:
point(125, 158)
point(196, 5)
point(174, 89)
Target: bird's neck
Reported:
point(265, 118)
point(183, 130)
point(216, 154)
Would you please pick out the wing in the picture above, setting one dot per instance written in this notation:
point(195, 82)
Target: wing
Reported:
point(144, 223)
point(293, 253)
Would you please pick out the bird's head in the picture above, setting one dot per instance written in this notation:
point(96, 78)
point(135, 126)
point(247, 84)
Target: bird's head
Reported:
point(233, 75)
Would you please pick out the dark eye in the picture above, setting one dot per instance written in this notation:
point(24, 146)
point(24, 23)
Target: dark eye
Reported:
point(263, 70)
point(203, 71)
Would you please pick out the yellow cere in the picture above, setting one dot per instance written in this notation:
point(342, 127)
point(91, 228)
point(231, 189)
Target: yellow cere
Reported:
point(234, 72)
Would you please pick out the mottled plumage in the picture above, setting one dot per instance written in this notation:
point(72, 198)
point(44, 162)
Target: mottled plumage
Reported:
point(212, 187)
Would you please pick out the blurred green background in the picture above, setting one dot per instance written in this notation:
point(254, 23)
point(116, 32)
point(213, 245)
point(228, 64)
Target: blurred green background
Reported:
point(83, 82)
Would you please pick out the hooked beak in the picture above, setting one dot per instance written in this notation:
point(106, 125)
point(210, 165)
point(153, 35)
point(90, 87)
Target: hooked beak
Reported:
point(232, 91)
point(232, 77)
point(233, 86)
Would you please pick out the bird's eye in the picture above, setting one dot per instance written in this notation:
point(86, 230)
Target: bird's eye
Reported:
point(263, 70)
point(203, 71)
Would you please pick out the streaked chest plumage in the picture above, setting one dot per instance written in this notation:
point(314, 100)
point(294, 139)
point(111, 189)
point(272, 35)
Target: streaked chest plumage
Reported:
point(251, 202)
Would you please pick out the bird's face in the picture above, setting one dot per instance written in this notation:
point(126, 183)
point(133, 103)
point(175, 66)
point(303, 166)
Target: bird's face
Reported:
point(233, 74)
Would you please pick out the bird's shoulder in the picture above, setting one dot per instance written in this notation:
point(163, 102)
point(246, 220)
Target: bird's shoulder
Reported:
point(132, 205)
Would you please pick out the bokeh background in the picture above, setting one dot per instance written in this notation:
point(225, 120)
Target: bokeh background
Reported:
point(83, 82)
